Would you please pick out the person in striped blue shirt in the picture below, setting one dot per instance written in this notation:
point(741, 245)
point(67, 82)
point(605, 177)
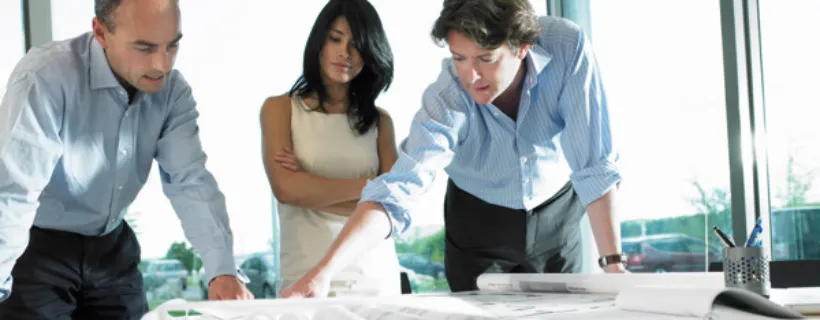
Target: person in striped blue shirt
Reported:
point(519, 93)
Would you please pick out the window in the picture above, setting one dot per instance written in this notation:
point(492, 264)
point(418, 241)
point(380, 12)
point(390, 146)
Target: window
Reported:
point(663, 76)
point(790, 65)
point(70, 18)
point(695, 246)
point(11, 35)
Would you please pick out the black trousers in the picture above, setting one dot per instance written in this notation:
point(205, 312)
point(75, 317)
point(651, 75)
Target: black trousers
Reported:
point(64, 275)
point(485, 238)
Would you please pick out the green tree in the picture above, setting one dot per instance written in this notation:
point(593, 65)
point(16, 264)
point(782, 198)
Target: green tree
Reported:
point(185, 254)
point(716, 205)
point(798, 183)
point(431, 246)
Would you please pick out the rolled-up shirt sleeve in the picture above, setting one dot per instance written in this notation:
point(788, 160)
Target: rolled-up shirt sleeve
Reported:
point(587, 139)
point(429, 147)
point(191, 188)
point(30, 147)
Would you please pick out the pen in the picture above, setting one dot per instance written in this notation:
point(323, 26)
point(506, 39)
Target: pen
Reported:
point(723, 237)
point(755, 235)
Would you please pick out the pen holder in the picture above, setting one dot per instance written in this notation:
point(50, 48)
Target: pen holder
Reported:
point(747, 268)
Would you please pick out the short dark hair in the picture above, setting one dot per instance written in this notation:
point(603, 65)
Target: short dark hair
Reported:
point(490, 23)
point(104, 11)
point(370, 41)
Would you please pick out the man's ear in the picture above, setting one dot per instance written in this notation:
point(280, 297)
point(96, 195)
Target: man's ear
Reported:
point(99, 29)
point(523, 50)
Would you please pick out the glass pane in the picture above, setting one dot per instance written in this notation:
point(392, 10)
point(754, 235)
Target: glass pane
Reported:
point(790, 67)
point(11, 35)
point(664, 82)
point(70, 18)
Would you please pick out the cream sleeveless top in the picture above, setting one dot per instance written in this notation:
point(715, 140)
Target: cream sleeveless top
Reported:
point(327, 146)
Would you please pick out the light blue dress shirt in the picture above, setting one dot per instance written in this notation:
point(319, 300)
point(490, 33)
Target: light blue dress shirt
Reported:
point(74, 154)
point(510, 163)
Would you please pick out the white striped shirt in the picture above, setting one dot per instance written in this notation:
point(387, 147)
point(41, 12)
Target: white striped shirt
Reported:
point(510, 163)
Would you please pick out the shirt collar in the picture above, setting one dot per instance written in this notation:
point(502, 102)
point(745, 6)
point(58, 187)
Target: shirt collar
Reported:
point(101, 74)
point(537, 60)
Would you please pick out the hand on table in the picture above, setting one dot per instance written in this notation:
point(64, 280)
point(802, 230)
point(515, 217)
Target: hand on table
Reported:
point(314, 284)
point(616, 268)
point(227, 287)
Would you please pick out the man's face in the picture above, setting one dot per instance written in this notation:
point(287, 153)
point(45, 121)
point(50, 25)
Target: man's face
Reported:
point(143, 45)
point(485, 73)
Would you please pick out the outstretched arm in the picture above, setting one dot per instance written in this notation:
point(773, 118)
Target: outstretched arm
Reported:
point(588, 145)
point(195, 196)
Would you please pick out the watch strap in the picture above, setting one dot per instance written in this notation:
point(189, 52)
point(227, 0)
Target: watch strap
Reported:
point(612, 259)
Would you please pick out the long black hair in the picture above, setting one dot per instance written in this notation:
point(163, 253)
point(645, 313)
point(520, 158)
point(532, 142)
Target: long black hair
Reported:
point(370, 41)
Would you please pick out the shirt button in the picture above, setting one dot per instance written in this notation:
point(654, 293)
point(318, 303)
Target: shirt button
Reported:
point(119, 188)
point(124, 152)
point(526, 180)
point(523, 160)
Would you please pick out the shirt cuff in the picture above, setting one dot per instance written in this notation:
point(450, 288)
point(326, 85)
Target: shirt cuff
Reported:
point(376, 191)
point(218, 263)
point(593, 182)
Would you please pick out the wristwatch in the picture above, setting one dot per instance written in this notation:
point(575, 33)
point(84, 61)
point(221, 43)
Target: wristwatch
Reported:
point(612, 259)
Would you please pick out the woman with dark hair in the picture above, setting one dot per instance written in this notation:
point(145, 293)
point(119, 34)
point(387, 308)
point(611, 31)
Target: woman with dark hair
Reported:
point(325, 138)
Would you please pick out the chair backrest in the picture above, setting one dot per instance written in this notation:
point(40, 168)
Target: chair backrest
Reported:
point(405, 284)
point(788, 273)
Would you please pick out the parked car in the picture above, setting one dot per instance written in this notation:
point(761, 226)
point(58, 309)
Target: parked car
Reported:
point(667, 253)
point(261, 270)
point(169, 274)
point(421, 265)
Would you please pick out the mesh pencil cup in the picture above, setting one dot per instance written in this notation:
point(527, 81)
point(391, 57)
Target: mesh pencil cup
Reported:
point(747, 268)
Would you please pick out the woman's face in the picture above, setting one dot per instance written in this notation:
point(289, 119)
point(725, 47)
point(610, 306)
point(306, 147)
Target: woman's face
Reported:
point(340, 61)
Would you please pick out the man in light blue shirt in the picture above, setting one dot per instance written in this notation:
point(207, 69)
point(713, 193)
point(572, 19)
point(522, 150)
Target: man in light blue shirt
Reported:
point(80, 124)
point(516, 88)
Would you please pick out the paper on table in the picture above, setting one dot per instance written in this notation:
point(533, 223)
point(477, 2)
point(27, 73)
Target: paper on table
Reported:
point(520, 304)
point(397, 312)
point(698, 302)
point(592, 283)
point(802, 300)
point(404, 307)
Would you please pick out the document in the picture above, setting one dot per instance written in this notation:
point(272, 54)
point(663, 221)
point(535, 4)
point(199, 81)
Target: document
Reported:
point(693, 295)
point(519, 296)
